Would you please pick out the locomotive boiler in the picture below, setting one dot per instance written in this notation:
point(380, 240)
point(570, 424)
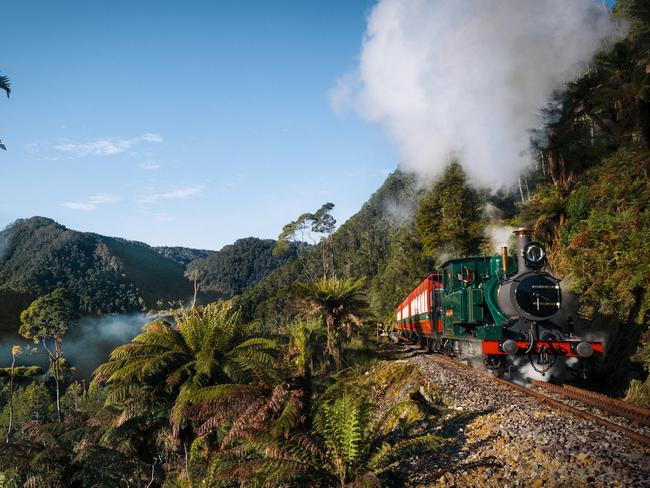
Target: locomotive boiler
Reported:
point(498, 307)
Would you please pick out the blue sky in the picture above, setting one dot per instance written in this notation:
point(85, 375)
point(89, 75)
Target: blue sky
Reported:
point(182, 123)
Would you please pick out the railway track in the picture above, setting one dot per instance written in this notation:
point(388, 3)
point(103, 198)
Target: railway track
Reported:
point(588, 399)
point(638, 415)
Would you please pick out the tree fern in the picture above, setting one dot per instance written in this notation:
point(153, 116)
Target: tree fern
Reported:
point(5, 85)
point(203, 349)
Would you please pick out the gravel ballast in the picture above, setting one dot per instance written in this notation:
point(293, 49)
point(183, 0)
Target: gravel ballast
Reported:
point(499, 437)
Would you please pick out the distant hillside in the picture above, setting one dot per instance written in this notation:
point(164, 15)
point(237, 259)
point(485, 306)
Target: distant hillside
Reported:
point(109, 274)
point(182, 255)
point(104, 274)
point(237, 266)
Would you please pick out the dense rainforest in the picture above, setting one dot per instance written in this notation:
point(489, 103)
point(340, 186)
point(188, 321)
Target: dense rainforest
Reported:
point(237, 266)
point(104, 274)
point(283, 384)
point(113, 275)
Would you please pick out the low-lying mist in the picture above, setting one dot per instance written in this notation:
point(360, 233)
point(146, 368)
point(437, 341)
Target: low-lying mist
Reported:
point(86, 346)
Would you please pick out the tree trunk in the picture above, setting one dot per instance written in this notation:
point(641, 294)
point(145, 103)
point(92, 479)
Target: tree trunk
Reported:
point(187, 467)
point(196, 289)
point(644, 124)
point(11, 396)
point(55, 366)
point(57, 378)
point(306, 394)
point(338, 353)
point(329, 324)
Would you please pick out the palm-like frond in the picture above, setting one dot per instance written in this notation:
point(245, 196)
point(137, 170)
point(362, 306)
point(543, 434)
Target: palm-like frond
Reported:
point(5, 85)
point(306, 339)
point(199, 364)
point(339, 302)
point(335, 296)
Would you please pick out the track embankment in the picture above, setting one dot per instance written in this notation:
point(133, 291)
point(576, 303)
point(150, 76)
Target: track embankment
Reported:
point(503, 437)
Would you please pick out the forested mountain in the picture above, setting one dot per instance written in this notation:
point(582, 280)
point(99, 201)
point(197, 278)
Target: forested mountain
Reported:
point(103, 274)
point(182, 255)
point(108, 274)
point(237, 266)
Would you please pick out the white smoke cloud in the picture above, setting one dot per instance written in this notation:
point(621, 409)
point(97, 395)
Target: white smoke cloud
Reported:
point(467, 77)
point(399, 213)
point(498, 235)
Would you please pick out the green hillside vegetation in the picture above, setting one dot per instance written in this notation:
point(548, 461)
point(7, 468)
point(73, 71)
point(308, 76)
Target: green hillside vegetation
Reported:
point(235, 267)
point(182, 255)
point(593, 207)
point(361, 247)
point(103, 274)
point(109, 275)
point(212, 402)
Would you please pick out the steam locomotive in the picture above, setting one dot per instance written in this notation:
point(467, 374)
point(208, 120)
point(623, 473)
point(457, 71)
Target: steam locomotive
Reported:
point(496, 307)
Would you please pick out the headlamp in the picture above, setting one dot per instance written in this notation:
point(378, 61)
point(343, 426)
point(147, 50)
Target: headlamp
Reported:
point(534, 254)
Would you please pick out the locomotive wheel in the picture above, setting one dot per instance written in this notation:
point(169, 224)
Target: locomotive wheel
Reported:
point(495, 364)
point(429, 344)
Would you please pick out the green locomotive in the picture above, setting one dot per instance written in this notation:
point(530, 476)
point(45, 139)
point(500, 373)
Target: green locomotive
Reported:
point(494, 306)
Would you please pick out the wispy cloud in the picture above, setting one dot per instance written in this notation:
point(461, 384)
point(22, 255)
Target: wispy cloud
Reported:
point(79, 205)
point(342, 94)
point(92, 201)
point(180, 193)
point(185, 192)
point(163, 217)
point(149, 166)
point(107, 146)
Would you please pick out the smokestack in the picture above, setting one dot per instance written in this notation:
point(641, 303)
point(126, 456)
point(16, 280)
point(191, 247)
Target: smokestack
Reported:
point(523, 238)
point(503, 251)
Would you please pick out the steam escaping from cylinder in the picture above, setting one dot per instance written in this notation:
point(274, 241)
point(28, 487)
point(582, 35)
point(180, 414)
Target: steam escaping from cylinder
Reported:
point(522, 372)
point(467, 78)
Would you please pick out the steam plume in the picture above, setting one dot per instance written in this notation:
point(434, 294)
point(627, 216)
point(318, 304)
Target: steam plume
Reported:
point(467, 78)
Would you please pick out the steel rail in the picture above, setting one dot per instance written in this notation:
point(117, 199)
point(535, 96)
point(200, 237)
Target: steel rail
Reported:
point(558, 405)
point(606, 404)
